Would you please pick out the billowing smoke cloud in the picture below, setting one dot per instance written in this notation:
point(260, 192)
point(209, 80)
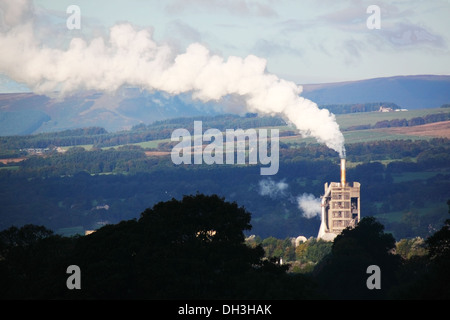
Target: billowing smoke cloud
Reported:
point(131, 57)
point(310, 205)
point(273, 189)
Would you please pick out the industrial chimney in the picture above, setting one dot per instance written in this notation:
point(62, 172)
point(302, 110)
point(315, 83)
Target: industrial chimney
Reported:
point(341, 207)
point(343, 172)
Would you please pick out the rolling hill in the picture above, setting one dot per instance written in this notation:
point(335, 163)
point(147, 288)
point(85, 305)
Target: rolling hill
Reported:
point(410, 92)
point(28, 113)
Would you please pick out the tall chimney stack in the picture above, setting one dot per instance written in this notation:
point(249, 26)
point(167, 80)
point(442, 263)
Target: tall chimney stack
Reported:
point(343, 172)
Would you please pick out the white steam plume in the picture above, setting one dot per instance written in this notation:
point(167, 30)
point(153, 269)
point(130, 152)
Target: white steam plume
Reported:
point(131, 57)
point(310, 205)
point(268, 187)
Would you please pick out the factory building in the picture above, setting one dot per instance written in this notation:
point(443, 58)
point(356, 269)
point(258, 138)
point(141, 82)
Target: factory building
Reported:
point(340, 207)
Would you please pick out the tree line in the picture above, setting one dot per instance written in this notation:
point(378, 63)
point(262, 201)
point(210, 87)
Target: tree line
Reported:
point(77, 159)
point(195, 248)
point(368, 151)
point(303, 255)
point(416, 121)
point(358, 107)
point(158, 130)
point(431, 153)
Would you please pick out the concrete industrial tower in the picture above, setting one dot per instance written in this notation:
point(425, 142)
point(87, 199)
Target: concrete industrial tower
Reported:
point(340, 207)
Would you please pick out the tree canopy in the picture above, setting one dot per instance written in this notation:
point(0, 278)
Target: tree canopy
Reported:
point(192, 248)
point(195, 248)
point(343, 273)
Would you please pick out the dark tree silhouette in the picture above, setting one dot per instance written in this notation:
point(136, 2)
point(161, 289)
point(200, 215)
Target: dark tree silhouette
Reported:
point(427, 277)
point(188, 249)
point(192, 248)
point(343, 274)
point(31, 261)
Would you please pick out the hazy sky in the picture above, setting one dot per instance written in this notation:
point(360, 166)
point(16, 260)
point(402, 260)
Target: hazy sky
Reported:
point(302, 41)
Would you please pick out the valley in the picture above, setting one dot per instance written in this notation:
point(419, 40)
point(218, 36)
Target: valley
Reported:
point(401, 169)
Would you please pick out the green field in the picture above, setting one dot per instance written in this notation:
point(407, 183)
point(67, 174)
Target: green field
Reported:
point(344, 120)
point(398, 216)
point(10, 168)
point(358, 136)
point(421, 175)
point(87, 147)
point(153, 144)
point(354, 119)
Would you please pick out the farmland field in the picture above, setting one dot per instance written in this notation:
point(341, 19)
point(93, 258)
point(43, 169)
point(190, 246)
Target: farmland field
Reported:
point(437, 129)
point(345, 121)
point(354, 119)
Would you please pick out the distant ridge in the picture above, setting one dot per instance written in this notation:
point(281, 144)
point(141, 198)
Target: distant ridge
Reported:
point(411, 92)
point(28, 113)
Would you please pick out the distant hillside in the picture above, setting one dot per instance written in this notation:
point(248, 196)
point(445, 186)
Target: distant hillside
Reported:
point(359, 107)
point(410, 92)
point(28, 113)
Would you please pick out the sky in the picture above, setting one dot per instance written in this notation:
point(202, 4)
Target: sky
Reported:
point(301, 41)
